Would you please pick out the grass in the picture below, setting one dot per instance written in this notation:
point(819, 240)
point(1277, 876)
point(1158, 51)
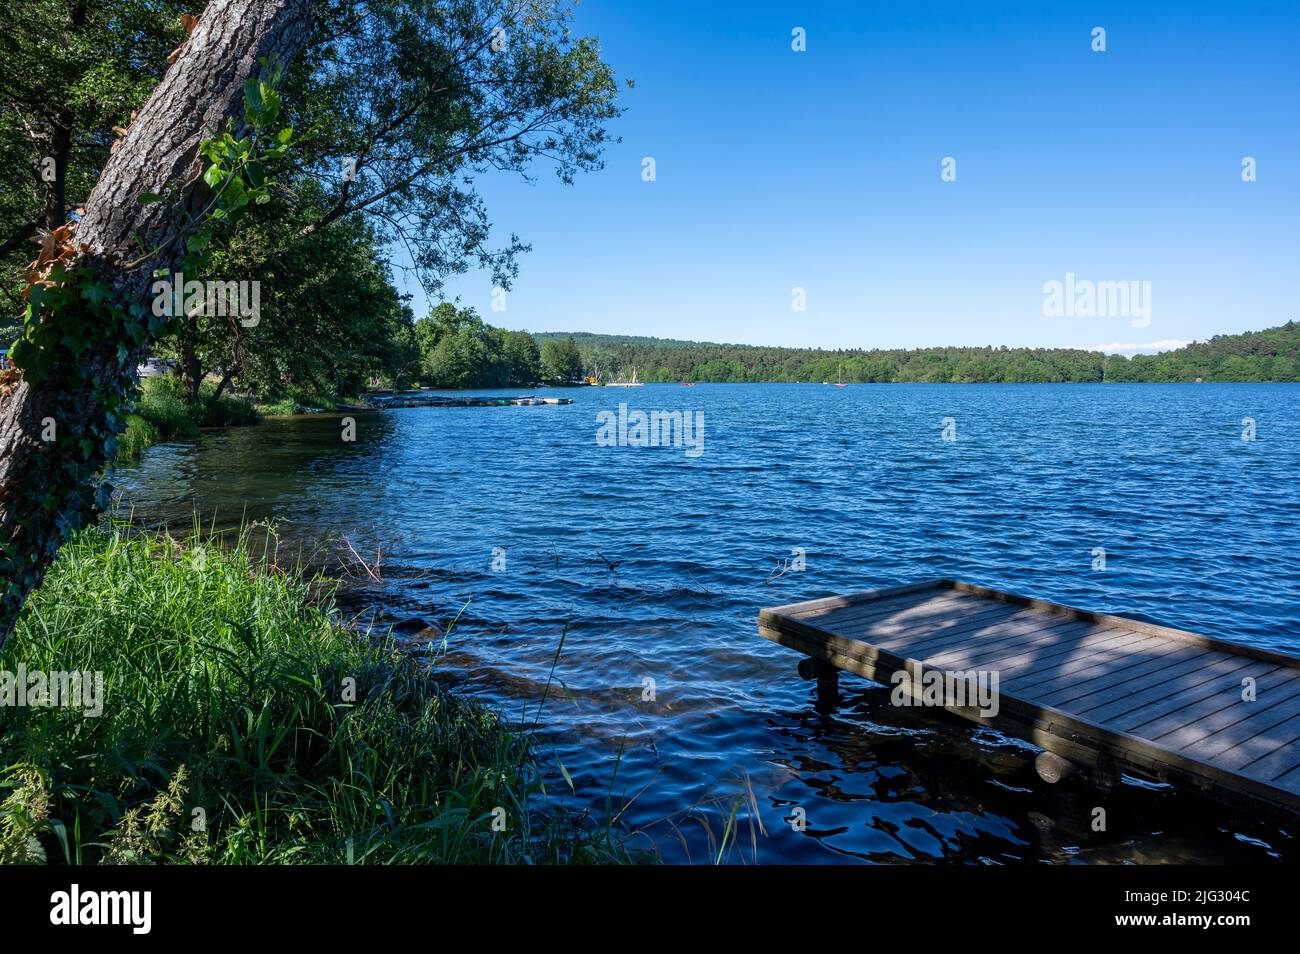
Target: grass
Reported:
point(242, 724)
point(297, 400)
point(162, 414)
point(283, 407)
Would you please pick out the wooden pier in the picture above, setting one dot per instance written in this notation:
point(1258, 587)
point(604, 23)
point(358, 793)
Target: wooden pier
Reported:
point(1101, 693)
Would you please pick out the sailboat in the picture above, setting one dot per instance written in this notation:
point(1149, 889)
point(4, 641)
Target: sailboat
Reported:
point(634, 383)
point(840, 382)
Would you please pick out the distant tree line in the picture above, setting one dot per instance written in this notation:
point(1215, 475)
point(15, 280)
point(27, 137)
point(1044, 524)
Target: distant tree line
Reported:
point(454, 348)
point(1270, 355)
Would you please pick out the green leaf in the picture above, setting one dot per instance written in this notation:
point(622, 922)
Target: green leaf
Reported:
point(23, 354)
point(95, 292)
point(37, 295)
point(148, 198)
point(252, 95)
point(270, 105)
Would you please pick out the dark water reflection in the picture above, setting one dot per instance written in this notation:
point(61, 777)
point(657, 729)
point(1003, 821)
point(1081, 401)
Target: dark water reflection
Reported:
point(1201, 530)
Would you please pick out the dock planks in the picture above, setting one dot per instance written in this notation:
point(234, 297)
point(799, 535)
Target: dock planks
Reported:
point(1103, 691)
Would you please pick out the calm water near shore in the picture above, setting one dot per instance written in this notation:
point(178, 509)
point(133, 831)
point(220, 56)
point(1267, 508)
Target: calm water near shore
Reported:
point(516, 523)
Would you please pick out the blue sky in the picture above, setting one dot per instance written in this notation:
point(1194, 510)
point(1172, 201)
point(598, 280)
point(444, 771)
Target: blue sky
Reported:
point(820, 170)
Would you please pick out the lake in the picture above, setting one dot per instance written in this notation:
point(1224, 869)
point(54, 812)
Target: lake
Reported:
point(521, 524)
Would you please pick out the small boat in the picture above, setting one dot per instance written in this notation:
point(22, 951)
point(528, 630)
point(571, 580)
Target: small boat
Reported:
point(688, 384)
point(634, 383)
point(839, 383)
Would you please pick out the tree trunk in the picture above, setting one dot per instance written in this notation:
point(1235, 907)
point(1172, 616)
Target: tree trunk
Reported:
point(57, 433)
point(227, 377)
point(191, 367)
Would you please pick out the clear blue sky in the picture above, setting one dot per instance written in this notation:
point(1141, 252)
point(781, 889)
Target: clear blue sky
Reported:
point(821, 170)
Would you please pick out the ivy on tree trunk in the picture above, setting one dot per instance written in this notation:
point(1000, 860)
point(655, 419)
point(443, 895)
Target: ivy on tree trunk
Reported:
point(58, 424)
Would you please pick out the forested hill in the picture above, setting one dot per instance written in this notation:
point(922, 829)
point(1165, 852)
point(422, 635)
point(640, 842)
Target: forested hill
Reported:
point(1269, 355)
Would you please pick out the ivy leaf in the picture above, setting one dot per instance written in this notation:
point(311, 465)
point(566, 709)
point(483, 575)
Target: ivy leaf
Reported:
point(148, 198)
point(86, 447)
point(37, 295)
point(23, 354)
point(95, 293)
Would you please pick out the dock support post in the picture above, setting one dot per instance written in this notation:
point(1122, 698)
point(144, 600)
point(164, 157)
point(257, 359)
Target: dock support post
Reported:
point(1106, 774)
point(828, 680)
point(1052, 768)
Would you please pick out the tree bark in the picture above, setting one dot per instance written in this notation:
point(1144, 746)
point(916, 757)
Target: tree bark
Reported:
point(191, 366)
point(56, 434)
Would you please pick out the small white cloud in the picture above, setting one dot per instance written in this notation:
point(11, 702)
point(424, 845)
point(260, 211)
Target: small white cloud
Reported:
point(1150, 347)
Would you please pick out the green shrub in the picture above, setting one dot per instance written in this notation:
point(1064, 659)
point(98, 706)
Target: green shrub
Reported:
point(161, 404)
point(138, 435)
point(225, 411)
point(163, 414)
point(284, 407)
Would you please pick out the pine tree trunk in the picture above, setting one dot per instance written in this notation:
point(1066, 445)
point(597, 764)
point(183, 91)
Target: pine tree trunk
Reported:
point(56, 434)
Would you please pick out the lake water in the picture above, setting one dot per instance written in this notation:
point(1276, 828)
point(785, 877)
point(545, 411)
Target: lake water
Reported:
point(516, 523)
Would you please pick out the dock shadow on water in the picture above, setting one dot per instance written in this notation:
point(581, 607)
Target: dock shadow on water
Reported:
point(489, 530)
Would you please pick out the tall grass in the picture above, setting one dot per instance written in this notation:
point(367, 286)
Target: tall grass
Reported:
point(162, 414)
point(242, 724)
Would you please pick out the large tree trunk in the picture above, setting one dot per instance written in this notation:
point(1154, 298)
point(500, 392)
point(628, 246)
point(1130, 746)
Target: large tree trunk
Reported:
point(47, 480)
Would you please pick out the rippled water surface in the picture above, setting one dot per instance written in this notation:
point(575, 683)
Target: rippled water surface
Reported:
point(658, 562)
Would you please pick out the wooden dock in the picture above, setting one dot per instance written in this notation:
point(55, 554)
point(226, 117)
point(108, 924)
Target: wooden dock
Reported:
point(1104, 693)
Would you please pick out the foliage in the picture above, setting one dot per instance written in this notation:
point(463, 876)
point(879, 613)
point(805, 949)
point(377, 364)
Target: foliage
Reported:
point(412, 101)
point(162, 405)
point(330, 321)
point(229, 734)
point(139, 434)
point(458, 350)
point(74, 71)
point(161, 413)
point(468, 87)
point(562, 363)
point(1270, 355)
